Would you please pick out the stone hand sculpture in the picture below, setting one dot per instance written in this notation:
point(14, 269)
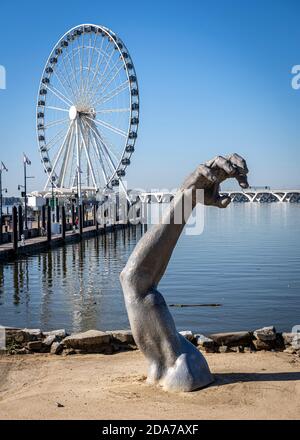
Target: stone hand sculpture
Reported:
point(174, 362)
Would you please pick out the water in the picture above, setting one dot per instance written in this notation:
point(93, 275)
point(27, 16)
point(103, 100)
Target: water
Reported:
point(247, 259)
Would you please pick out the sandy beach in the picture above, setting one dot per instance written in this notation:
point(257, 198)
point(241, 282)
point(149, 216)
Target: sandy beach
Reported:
point(260, 385)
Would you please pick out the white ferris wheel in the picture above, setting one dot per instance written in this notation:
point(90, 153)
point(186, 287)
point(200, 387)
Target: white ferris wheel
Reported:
point(87, 112)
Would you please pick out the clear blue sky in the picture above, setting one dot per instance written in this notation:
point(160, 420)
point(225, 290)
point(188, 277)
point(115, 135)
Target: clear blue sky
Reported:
point(214, 77)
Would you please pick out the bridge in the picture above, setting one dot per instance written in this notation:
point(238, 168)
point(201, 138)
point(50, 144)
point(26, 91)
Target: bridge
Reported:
point(250, 195)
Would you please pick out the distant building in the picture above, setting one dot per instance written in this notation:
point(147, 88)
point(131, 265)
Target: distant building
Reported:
point(10, 201)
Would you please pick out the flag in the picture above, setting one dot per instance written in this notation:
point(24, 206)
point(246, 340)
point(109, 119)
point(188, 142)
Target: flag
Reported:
point(3, 167)
point(26, 160)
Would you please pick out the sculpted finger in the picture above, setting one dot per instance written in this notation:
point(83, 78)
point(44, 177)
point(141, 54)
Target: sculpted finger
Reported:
point(238, 162)
point(210, 162)
point(243, 181)
point(240, 165)
point(223, 164)
point(222, 201)
point(205, 171)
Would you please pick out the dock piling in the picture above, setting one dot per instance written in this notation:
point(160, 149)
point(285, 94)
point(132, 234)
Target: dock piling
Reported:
point(15, 228)
point(49, 224)
point(80, 220)
point(63, 222)
point(20, 221)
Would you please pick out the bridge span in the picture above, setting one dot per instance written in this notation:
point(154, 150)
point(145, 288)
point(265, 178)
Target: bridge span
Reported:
point(249, 195)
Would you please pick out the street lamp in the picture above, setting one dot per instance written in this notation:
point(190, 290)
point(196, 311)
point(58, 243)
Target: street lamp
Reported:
point(2, 168)
point(78, 184)
point(52, 198)
point(26, 162)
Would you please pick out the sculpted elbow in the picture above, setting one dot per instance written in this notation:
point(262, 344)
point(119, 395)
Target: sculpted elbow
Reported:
point(135, 281)
point(128, 277)
point(123, 276)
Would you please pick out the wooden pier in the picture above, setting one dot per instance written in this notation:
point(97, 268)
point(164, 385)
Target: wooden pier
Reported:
point(17, 247)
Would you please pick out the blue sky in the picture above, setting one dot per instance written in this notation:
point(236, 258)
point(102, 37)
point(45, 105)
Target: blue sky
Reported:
point(214, 77)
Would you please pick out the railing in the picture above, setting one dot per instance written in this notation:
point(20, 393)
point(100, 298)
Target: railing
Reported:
point(260, 196)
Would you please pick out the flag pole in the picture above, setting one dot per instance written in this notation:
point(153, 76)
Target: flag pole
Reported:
point(2, 168)
point(25, 194)
point(1, 201)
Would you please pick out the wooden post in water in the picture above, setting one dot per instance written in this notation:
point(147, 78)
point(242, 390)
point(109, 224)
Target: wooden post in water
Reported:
point(73, 214)
point(49, 224)
point(20, 221)
point(39, 222)
point(15, 228)
point(112, 216)
point(57, 212)
point(83, 215)
point(44, 217)
point(63, 222)
point(96, 224)
point(80, 219)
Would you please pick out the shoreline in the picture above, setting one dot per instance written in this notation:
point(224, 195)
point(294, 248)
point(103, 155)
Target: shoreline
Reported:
point(16, 341)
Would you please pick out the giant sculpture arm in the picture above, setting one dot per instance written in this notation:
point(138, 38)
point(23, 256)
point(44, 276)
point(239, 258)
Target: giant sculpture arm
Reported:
point(173, 361)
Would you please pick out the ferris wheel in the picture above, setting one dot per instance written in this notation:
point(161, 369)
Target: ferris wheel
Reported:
point(87, 112)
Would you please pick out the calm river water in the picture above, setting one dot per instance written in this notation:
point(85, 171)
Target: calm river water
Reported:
point(247, 259)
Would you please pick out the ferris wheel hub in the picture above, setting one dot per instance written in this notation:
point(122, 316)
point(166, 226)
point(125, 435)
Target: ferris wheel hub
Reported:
point(72, 112)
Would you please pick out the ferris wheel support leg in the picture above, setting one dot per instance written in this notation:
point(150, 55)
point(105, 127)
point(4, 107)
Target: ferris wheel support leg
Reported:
point(78, 166)
point(124, 187)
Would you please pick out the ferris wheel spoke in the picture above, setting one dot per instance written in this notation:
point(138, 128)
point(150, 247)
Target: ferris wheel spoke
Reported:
point(87, 155)
point(102, 81)
point(58, 154)
point(54, 123)
point(108, 61)
point(103, 158)
point(78, 161)
point(56, 138)
point(98, 59)
point(111, 157)
point(82, 64)
point(62, 84)
point(109, 127)
point(73, 69)
point(111, 80)
point(57, 93)
point(50, 107)
point(63, 170)
point(113, 93)
point(91, 54)
point(100, 138)
point(110, 151)
point(98, 154)
point(108, 160)
point(114, 110)
point(67, 75)
point(104, 53)
point(80, 68)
